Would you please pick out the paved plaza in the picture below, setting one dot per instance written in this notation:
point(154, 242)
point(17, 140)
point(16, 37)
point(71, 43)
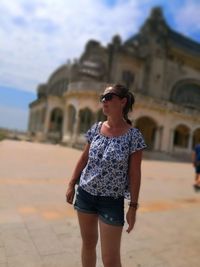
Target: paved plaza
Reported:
point(38, 229)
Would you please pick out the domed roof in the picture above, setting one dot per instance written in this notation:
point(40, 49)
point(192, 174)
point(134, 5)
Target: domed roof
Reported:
point(60, 73)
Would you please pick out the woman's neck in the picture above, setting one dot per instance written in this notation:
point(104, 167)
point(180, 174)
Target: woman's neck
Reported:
point(117, 122)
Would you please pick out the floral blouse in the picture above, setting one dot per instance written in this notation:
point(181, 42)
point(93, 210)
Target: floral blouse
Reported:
point(106, 172)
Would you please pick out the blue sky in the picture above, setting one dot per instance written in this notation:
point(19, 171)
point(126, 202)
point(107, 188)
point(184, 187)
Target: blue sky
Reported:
point(37, 36)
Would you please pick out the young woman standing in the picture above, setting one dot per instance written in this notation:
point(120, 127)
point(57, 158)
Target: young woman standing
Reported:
point(109, 170)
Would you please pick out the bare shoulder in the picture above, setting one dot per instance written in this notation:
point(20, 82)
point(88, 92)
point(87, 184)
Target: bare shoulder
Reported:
point(136, 158)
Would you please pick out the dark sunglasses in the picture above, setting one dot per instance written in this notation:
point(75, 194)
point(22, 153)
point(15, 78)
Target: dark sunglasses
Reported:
point(108, 97)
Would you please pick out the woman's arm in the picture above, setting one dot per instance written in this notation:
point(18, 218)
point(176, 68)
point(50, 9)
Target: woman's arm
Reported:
point(134, 174)
point(76, 174)
point(194, 158)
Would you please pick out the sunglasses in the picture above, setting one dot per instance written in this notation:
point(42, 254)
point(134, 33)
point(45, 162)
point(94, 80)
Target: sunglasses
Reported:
point(108, 97)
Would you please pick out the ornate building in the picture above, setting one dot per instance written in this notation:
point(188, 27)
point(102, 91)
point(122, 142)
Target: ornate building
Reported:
point(161, 67)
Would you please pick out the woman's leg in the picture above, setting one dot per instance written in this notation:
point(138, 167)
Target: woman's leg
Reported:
point(89, 233)
point(198, 179)
point(110, 244)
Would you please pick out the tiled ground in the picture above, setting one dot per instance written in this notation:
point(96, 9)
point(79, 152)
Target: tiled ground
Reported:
point(38, 229)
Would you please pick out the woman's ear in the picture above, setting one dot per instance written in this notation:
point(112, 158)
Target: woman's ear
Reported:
point(124, 101)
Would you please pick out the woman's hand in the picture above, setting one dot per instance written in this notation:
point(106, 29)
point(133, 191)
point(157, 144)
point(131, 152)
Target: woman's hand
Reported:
point(130, 218)
point(70, 194)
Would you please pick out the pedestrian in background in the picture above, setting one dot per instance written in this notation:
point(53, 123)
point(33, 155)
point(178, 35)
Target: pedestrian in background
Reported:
point(196, 163)
point(110, 171)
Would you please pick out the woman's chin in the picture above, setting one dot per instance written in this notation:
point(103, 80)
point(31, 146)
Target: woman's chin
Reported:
point(105, 111)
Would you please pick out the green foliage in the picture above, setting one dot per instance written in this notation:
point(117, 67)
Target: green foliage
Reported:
point(3, 135)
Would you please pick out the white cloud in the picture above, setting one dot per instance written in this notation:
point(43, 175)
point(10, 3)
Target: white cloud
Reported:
point(187, 18)
point(37, 36)
point(44, 34)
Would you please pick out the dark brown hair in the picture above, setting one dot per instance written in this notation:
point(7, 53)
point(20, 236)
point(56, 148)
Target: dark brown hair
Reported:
point(123, 91)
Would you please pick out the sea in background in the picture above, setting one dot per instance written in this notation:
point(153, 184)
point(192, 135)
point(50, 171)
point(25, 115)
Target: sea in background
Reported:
point(14, 108)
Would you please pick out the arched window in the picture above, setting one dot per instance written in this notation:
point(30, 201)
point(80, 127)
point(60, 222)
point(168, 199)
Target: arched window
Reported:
point(86, 119)
point(127, 77)
point(187, 94)
point(56, 120)
point(147, 126)
point(181, 136)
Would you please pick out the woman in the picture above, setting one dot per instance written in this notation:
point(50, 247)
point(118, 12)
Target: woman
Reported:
point(109, 170)
point(196, 163)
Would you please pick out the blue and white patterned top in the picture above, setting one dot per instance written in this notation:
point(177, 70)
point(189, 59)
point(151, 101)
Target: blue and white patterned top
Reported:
point(106, 171)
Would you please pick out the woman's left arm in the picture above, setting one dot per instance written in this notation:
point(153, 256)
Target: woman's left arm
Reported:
point(134, 174)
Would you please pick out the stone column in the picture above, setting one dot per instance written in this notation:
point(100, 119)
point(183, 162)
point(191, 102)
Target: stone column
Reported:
point(36, 121)
point(34, 129)
point(189, 148)
point(171, 141)
point(40, 120)
point(158, 138)
point(30, 121)
point(65, 130)
point(76, 128)
point(46, 122)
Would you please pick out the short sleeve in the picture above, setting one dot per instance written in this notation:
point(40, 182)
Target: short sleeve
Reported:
point(91, 133)
point(137, 141)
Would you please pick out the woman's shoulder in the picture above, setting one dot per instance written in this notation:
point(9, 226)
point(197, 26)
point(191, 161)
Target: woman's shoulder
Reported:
point(93, 130)
point(96, 125)
point(134, 131)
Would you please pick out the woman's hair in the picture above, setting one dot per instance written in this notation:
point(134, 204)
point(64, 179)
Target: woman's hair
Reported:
point(123, 91)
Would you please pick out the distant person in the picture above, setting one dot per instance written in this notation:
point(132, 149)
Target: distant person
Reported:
point(196, 162)
point(109, 170)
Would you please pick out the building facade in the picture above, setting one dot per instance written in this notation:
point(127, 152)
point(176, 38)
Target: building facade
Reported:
point(161, 67)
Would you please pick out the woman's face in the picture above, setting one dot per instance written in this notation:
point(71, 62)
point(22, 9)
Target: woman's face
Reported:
point(112, 104)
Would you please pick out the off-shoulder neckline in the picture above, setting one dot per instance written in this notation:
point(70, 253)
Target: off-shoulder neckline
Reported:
point(112, 137)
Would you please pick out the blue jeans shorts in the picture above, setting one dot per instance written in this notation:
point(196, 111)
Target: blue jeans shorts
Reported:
point(110, 210)
point(197, 169)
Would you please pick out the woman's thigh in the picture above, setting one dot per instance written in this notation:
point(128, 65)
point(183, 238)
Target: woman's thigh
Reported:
point(110, 240)
point(88, 228)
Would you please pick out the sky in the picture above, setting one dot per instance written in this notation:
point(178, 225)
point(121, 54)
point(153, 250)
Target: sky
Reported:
point(37, 36)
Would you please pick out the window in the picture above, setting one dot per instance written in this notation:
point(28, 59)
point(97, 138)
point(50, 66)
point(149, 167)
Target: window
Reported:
point(127, 78)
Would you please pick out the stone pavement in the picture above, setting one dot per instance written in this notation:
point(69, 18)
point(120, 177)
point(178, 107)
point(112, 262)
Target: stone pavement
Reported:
point(38, 229)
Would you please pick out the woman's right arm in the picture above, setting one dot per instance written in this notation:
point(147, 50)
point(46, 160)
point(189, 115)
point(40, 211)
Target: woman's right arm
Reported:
point(194, 158)
point(76, 174)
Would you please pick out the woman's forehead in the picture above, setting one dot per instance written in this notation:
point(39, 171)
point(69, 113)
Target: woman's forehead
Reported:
point(109, 89)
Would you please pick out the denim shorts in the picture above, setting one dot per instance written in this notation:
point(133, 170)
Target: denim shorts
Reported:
point(197, 169)
point(110, 210)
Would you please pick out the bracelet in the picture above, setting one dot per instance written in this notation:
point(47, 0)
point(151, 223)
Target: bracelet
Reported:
point(134, 205)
